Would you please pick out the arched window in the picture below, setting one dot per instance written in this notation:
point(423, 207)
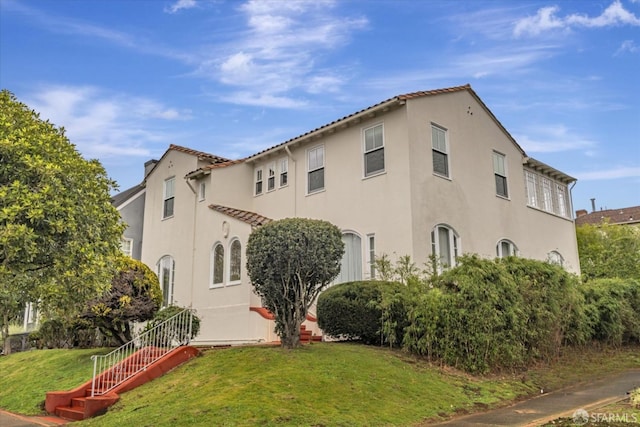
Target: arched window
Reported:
point(445, 246)
point(217, 265)
point(166, 268)
point(351, 266)
point(506, 248)
point(235, 261)
point(554, 257)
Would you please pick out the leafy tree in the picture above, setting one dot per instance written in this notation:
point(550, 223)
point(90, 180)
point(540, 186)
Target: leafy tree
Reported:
point(134, 296)
point(290, 262)
point(609, 251)
point(58, 229)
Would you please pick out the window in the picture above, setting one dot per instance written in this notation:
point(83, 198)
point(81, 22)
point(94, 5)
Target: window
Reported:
point(217, 265)
point(202, 191)
point(500, 172)
point(561, 192)
point(315, 178)
point(532, 191)
point(284, 170)
point(166, 273)
point(547, 194)
point(235, 261)
point(445, 246)
point(373, 150)
point(126, 246)
point(547, 197)
point(554, 257)
point(440, 152)
point(506, 248)
point(258, 181)
point(271, 178)
point(168, 197)
point(351, 266)
point(371, 239)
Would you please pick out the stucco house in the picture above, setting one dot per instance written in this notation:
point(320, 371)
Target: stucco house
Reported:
point(418, 174)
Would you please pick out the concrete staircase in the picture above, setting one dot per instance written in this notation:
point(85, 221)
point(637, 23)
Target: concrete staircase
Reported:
point(139, 368)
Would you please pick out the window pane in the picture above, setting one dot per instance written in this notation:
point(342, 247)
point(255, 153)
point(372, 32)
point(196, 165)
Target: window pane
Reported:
point(373, 138)
point(271, 183)
point(316, 158)
point(438, 139)
point(547, 195)
point(316, 180)
point(440, 165)
point(501, 185)
point(445, 248)
point(374, 161)
point(169, 188)
point(168, 208)
point(235, 263)
point(218, 264)
point(498, 164)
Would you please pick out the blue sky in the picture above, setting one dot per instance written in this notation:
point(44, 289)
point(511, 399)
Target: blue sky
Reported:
point(126, 78)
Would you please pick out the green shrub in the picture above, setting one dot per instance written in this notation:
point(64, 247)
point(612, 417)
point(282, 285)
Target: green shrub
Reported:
point(357, 310)
point(613, 308)
point(176, 331)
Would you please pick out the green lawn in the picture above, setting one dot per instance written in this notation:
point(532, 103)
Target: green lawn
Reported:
point(319, 385)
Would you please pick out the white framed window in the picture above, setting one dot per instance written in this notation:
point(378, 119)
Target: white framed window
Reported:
point(440, 151)
point(235, 261)
point(271, 177)
point(532, 188)
point(500, 174)
point(258, 181)
point(168, 198)
point(547, 195)
point(315, 168)
point(561, 199)
point(166, 269)
point(202, 191)
point(126, 246)
point(554, 257)
point(351, 265)
point(217, 265)
point(445, 246)
point(506, 248)
point(371, 242)
point(373, 150)
point(284, 172)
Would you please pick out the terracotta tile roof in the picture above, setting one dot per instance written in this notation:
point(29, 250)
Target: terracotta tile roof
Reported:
point(200, 154)
point(630, 215)
point(200, 171)
point(250, 218)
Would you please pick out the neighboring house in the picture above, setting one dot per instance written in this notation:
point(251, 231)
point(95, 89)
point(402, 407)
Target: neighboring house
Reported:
point(420, 174)
point(622, 216)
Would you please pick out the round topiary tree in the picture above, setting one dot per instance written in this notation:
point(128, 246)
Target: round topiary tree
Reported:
point(134, 296)
point(290, 262)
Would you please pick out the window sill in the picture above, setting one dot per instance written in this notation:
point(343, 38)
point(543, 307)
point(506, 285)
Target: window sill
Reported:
point(373, 175)
point(322, 190)
point(499, 196)
point(216, 286)
point(239, 282)
point(166, 218)
point(550, 213)
point(448, 178)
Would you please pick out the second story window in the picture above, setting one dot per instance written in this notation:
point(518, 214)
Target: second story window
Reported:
point(373, 150)
point(168, 197)
point(315, 176)
point(202, 191)
point(284, 172)
point(258, 181)
point(440, 152)
point(271, 179)
point(500, 173)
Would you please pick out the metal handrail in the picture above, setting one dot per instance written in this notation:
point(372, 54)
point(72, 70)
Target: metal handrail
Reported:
point(112, 369)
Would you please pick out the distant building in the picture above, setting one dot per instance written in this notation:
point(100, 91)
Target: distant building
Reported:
point(623, 216)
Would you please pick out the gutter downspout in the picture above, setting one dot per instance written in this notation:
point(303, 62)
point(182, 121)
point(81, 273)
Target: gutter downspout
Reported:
point(193, 239)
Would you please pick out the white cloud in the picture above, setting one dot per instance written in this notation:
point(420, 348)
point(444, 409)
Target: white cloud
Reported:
point(613, 173)
point(553, 139)
point(280, 52)
point(627, 46)
point(102, 124)
point(546, 20)
point(180, 5)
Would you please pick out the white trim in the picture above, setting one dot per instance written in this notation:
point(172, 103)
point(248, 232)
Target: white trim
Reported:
point(309, 170)
point(512, 247)
point(365, 152)
point(255, 181)
point(212, 261)
point(446, 152)
point(228, 270)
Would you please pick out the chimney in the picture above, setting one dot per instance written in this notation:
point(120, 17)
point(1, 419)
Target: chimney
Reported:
point(148, 165)
point(581, 212)
point(593, 205)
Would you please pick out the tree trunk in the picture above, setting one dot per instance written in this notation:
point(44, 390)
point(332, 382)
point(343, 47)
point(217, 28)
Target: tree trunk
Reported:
point(5, 335)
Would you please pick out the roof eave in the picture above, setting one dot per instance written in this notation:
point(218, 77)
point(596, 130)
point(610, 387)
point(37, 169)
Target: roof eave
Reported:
point(548, 170)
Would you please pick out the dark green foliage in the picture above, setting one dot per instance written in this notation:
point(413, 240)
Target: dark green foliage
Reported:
point(354, 310)
point(613, 309)
point(290, 262)
point(608, 251)
point(485, 314)
point(134, 296)
point(62, 333)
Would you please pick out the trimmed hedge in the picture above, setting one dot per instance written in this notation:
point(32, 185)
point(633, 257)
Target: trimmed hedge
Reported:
point(354, 310)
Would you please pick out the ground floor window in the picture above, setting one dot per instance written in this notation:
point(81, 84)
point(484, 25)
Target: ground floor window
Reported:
point(445, 246)
point(166, 269)
point(351, 266)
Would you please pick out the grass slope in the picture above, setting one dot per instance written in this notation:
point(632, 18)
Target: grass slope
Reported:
point(318, 385)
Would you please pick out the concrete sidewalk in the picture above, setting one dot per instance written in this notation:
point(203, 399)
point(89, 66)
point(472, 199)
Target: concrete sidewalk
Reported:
point(7, 419)
point(562, 403)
